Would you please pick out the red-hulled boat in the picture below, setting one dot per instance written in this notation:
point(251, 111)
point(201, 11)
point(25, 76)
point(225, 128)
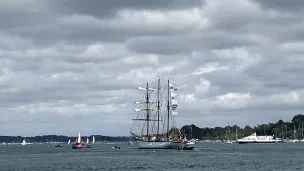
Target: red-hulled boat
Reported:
point(77, 144)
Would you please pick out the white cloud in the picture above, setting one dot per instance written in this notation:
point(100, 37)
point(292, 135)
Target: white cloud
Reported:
point(233, 100)
point(209, 68)
point(103, 51)
point(142, 60)
point(203, 87)
point(286, 98)
point(181, 20)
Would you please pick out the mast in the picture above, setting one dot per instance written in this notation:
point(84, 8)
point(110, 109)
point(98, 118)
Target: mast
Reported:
point(158, 109)
point(302, 131)
point(294, 132)
point(190, 132)
point(298, 131)
point(236, 133)
point(229, 132)
point(168, 110)
point(148, 117)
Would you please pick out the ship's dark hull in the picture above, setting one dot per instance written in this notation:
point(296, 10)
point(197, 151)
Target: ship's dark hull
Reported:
point(258, 142)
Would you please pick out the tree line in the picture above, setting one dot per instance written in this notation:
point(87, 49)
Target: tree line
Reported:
point(59, 138)
point(280, 129)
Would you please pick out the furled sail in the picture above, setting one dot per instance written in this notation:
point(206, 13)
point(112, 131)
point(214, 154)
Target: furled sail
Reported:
point(174, 101)
point(145, 102)
point(139, 110)
point(144, 89)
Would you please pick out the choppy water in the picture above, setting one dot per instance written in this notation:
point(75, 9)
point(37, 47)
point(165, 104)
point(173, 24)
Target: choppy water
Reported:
point(207, 157)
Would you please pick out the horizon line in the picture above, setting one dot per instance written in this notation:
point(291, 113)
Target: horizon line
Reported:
point(61, 135)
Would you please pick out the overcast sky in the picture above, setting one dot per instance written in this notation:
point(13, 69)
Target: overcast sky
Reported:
point(74, 65)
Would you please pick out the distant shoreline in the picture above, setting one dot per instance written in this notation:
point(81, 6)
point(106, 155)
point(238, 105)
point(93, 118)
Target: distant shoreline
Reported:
point(59, 138)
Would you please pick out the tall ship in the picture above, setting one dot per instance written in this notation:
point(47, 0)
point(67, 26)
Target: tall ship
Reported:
point(254, 139)
point(151, 128)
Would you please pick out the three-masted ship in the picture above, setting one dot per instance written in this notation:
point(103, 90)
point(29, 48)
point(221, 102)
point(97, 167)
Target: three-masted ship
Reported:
point(151, 128)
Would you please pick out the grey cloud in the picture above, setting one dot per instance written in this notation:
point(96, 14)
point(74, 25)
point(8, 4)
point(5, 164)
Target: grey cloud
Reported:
point(187, 43)
point(80, 30)
point(66, 60)
point(229, 81)
point(104, 9)
point(23, 14)
point(277, 73)
point(90, 23)
point(290, 6)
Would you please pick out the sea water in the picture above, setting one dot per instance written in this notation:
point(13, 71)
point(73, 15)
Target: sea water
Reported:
point(205, 156)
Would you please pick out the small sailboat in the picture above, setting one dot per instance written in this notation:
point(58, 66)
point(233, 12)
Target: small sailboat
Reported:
point(130, 142)
point(69, 142)
point(93, 141)
point(228, 141)
point(77, 144)
point(189, 144)
point(191, 141)
point(88, 145)
point(186, 145)
point(23, 142)
point(295, 140)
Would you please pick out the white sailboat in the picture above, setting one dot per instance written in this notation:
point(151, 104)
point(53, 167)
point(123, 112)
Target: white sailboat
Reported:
point(228, 141)
point(302, 135)
point(23, 142)
point(93, 141)
point(69, 141)
point(188, 144)
point(295, 140)
point(191, 141)
point(88, 145)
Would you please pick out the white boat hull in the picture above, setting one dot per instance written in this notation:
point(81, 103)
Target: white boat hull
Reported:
point(258, 142)
point(254, 139)
point(157, 145)
point(190, 143)
point(229, 142)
